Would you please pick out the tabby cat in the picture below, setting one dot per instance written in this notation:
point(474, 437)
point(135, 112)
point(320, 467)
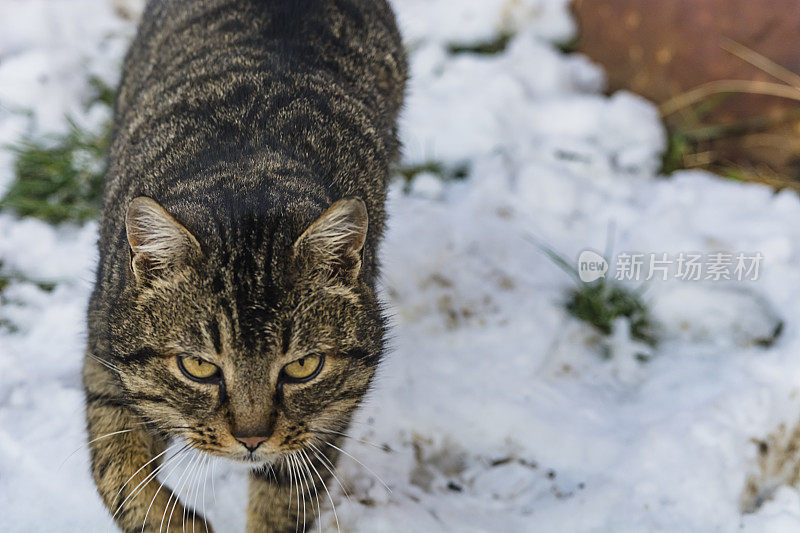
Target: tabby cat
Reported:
point(234, 310)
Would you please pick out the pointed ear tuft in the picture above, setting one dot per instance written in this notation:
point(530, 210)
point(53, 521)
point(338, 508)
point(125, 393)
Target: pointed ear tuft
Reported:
point(333, 243)
point(157, 240)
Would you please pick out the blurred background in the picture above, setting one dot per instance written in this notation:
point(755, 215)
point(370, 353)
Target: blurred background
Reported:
point(724, 74)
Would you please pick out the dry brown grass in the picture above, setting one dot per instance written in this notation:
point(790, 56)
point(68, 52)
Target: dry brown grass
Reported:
point(696, 142)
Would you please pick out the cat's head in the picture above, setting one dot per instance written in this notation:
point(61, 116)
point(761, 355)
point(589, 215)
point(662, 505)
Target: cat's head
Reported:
point(252, 345)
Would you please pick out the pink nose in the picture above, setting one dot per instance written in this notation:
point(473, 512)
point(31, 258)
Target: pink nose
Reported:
point(251, 443)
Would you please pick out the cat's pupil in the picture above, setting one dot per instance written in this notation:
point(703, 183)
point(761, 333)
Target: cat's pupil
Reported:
point(302, 362)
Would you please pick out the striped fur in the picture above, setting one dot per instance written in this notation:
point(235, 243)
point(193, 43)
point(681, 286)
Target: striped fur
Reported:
point(242, 214)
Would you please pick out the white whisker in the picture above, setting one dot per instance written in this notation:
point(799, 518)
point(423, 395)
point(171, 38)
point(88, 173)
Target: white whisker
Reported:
point(138, 488)
point(297, 491)
point(193, 476)
point(93, 441)
point(274, 475)
point(200, 473)
point(291, 477)
point(142, 484)
point(214, 475)
point(302, 485)
point(191, 472)
point(325, 462)
point(330, 498)
point(361, 441)
point(209, 464)
point(185, 483)
point(105, 363)
point(139, 470)
point(368, 469)
point(161, 485)
point(307, 460)
point(175, 493)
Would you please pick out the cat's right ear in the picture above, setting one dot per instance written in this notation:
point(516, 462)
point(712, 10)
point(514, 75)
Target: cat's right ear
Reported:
point(157, 241)
point(333, 244)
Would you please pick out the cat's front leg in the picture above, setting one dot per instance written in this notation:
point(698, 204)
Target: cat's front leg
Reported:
point(124, 457)
point(273, 504)
point(284, 498)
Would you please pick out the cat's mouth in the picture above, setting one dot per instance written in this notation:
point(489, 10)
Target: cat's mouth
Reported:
point(254, 459)
point(251, 459)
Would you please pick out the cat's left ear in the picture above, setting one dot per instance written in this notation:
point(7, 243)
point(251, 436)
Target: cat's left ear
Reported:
point(333, 244)
point(158, 242)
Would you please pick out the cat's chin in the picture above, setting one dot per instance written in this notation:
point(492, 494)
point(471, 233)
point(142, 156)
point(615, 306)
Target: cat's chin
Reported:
point(245, 466)
point(253, 462)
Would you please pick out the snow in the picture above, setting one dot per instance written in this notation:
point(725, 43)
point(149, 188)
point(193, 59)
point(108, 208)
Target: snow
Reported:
point(496, 411)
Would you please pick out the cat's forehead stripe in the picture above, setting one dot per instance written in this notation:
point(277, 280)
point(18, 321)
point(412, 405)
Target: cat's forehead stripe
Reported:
point(214, 333)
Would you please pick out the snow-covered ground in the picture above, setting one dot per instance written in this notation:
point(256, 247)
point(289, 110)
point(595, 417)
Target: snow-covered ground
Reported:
point(497, 411)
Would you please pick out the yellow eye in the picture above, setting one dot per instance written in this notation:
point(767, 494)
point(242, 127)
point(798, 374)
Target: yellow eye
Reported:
point(304, 368)
point(197, 369)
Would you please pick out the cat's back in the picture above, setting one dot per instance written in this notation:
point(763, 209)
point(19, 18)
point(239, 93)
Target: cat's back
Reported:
point(234, 101)
point(223, 61)
point(182, 42)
